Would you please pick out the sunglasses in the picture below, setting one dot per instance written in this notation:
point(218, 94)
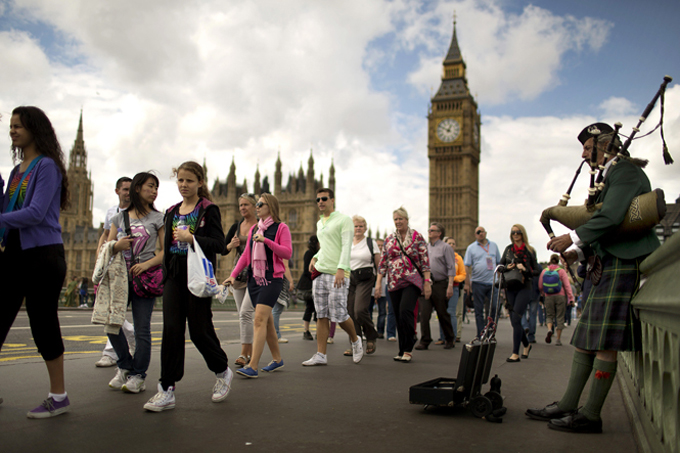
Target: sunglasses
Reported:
point(247, 195)
point(321, 199)
point(259, 204)
point(480, 231)
point(516, 232)
point(432, 230)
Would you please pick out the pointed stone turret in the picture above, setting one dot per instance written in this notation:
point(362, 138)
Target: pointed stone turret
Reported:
point(231, 178)
point(277, 176)
point(78, 158)
point(257, 187)
point(205, 170)
point(331, 178)
point(454, 79)
point(310, 189)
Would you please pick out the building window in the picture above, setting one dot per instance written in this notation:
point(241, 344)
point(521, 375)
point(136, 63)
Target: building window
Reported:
point(79, 260)
point(292, 218)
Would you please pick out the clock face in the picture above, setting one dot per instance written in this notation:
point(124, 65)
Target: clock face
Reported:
point(448, 130)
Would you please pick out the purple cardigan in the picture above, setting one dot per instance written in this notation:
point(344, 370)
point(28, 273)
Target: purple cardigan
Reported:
point(38, 219)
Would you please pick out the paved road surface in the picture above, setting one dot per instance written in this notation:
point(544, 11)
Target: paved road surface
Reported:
point(337, 408)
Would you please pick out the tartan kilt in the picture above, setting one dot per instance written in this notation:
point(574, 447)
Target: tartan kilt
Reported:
point(607, 321)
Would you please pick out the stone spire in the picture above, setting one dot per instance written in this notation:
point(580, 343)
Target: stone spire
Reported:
point(453, 54)
point(78, 158)
point(331, 178)
point(277, 176)
point(309, 188)
point(231, 179)
point(257, 187)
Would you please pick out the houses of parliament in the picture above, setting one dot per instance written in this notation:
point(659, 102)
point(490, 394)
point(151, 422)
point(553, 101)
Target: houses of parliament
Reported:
point(453, 151)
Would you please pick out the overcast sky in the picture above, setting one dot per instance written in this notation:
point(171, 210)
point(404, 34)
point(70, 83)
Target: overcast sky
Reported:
point(161, 82)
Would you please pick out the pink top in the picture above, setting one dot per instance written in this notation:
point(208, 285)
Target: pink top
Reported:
point(563, 278)
point(281, 246)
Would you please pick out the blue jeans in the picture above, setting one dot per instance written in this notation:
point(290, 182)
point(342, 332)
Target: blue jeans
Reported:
point(382, 315)
point(141, 318)
point(451, 310)
point(541, 314)
point(276, 312)
point(481, 292)
point(391, 328)
point(529, 320)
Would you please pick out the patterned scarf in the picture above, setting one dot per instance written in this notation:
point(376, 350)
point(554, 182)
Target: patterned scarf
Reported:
point(522, 255)
point(259, 254)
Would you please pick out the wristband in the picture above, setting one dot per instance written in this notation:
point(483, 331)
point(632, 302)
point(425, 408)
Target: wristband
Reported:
point(427, 280)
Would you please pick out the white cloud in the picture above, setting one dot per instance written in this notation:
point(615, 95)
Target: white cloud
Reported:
point(162, 82)
point(508, 56)
point(617, 106)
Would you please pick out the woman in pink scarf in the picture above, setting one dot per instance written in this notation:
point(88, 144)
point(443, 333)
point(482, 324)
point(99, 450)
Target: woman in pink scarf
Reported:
point(269, 243)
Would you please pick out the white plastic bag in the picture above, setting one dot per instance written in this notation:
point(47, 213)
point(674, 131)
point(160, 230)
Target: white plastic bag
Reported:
point(200, 274)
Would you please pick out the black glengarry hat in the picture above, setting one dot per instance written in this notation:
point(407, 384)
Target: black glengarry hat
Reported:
point(585, 133)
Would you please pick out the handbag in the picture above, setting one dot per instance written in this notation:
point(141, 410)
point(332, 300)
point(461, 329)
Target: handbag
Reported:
point(363, 274)
point(513, 279)
point(200, 274)
point(148, 284)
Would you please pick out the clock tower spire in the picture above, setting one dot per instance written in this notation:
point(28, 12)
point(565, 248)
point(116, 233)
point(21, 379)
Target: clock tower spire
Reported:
point(453, 148)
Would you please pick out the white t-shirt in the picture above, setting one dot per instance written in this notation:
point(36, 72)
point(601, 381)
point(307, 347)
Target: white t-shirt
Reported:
point(361, 255)
point(113, 210)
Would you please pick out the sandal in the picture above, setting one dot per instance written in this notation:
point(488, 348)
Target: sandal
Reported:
point(348, 352)
point(370, 347)
point(241, 361)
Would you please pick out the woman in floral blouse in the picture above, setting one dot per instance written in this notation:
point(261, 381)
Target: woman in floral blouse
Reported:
point(406, 264)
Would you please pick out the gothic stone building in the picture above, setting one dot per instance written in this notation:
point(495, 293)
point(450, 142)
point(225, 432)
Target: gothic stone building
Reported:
point(80, 238)
point(297, 206)
point(453, 148)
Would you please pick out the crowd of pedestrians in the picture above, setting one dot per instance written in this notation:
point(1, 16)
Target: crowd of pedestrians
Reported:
point(143, 254)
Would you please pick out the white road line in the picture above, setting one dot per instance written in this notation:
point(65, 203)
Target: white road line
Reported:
point(215, 321)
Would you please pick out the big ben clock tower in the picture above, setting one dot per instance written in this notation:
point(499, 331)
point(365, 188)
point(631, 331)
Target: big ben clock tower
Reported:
point(453, 148)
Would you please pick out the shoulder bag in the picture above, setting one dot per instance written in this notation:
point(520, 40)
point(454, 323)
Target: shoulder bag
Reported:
point(148, 284)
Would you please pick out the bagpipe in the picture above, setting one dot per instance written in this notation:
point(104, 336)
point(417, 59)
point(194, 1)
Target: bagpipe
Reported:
point(645, 211)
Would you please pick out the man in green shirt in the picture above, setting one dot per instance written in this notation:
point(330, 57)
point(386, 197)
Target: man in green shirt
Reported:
point(330, 274)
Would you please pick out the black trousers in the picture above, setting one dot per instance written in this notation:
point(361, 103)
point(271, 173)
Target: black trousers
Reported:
point(36, 274)
point(358, 304)
point(440, 302)
point(405, 302)
point(180, 307)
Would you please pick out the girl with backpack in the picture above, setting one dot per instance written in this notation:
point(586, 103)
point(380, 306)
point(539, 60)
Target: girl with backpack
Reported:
point(554, 284)
point(196, 220)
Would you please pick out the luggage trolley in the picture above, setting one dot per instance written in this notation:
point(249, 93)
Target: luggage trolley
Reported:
point(473, 372)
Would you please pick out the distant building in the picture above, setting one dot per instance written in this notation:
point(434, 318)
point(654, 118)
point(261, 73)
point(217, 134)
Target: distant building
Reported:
point(80, 238)
point(297, 201)
point(453, 148)
point(670, 224)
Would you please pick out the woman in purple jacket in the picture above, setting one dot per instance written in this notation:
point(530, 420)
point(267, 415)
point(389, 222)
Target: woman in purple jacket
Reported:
point(31, 244)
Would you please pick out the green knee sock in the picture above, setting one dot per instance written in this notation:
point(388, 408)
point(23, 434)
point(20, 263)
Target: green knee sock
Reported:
point(581, 368)
point(604, 378)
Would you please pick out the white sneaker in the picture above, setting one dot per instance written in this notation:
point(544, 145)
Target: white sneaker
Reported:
point(105, 361)
point(329, 340)
point(283, 340)
point(317, 359)
point(161, 401)
point(134, 384)
point(357, 351)
point(222, 387)
point(119, 379)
